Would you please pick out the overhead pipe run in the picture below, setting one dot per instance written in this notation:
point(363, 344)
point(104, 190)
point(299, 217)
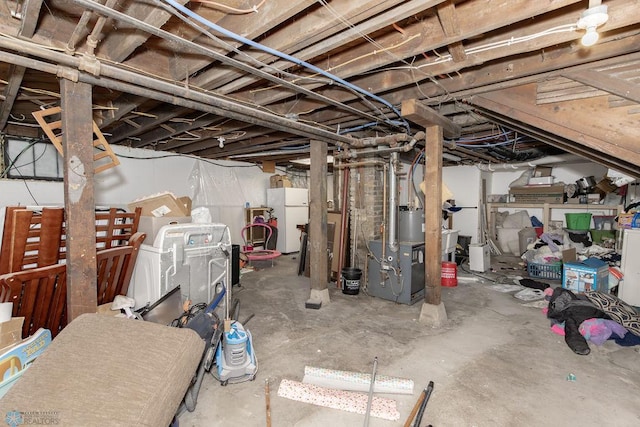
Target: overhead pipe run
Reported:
point(126, 81)
point(93, 38)
point(391, 140)
point(141, 25)
point(290, 58)
point(358, 164)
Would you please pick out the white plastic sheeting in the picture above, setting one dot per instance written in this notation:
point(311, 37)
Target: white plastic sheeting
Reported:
point(225, 189)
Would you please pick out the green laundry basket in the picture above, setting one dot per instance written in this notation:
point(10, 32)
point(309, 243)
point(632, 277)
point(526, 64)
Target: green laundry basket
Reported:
point(578, 221)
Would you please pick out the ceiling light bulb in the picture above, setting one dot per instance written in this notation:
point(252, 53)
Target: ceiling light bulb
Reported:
point(590, 37)
point(590, 20)
point(221, 142)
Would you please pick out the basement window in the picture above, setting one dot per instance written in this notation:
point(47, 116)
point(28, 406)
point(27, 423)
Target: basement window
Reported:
point(31, 159)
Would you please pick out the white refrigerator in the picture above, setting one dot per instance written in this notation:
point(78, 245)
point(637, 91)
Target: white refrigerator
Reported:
point(629, 290)
point(291, 207)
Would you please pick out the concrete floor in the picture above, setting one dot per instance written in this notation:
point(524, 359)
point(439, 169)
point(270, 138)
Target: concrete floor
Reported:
point(496, 363)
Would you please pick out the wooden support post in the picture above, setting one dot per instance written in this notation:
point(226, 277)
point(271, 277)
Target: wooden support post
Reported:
point(318, 224)
point(423, 115)
point(77, 142)
point(433, 311)
point(433, 214)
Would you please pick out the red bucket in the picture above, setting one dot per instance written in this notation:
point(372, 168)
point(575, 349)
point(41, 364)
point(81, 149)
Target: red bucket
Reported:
point(449, 274)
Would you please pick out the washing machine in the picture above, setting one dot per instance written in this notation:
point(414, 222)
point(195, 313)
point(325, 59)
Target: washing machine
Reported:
point(196, 257)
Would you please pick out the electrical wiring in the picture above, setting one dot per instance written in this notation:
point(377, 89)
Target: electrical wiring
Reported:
point(282, 55)
point(14, 160)
point(207, 51)
point(380, 47)
point(494, 45)
point(234, 49)
point(230, 9)
point(188, 156)
point(497, 144)
point(294, 77)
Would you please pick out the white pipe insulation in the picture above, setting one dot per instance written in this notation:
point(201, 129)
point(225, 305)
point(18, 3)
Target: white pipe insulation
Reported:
point(549, 160)
point(393, 202)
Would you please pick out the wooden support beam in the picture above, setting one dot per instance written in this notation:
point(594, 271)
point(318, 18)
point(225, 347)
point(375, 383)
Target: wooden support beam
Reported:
point(420, 114)
point(607, 83)
point(590, 124)
point(449, 22)
point(433, 214)
point(318, 212)
point(77, 143)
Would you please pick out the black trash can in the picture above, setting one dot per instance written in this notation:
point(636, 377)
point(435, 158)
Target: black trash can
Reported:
point(351, 280)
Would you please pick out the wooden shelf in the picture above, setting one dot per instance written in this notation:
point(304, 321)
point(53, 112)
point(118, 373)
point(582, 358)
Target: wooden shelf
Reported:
point(493, 208)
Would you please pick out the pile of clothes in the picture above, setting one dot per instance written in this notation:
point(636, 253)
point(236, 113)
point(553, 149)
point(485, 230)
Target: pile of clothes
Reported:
point(596, 316)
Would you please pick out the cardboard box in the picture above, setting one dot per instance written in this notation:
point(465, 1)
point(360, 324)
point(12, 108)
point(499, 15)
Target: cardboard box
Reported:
point(163, 205)
point(541, 171)
point(591, 274)
point(11, 332)
point(606, 186)
point(279, 181)
point(538, 194)
point(151, 225)
point(186, 202)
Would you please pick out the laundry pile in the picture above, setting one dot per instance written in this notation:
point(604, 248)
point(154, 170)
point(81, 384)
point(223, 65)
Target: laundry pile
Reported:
point(593, 316)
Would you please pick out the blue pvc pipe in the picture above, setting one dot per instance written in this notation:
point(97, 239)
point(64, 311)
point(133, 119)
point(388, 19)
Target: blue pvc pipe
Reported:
point(285, 56)
point(368, 125)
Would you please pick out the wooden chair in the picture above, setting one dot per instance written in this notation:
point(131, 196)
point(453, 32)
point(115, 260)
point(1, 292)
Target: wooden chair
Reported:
point(115, 268)
point(5, 293)
point(260, 254)
point(40, 296)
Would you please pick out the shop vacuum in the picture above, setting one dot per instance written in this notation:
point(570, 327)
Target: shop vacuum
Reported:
point(235, 357)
